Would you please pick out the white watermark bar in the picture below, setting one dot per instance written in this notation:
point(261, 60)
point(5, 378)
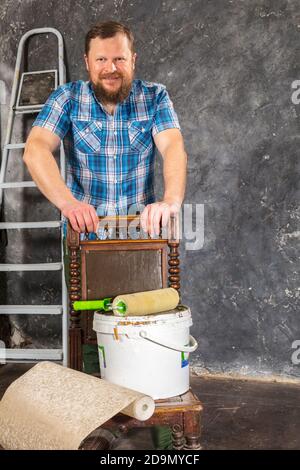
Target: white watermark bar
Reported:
point(186, 225)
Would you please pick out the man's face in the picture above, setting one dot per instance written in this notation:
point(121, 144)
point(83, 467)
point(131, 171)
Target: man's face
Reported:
point(110, 64)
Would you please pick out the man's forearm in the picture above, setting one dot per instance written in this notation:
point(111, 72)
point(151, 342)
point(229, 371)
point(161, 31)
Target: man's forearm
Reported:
point(174, 170)
point(45, 172)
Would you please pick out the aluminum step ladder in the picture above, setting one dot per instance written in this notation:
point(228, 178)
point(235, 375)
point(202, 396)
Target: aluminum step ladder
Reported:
point(20, 104)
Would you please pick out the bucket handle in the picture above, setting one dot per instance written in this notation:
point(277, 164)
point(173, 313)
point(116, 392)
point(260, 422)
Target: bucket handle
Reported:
point(193, 345)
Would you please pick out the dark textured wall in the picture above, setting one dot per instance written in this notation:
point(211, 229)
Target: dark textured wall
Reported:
point(228, 66)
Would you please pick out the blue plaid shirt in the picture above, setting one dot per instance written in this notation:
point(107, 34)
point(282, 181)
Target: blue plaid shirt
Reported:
point(110, 158)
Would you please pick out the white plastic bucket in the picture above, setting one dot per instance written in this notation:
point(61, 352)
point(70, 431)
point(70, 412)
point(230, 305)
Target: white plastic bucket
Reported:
point(149, 354)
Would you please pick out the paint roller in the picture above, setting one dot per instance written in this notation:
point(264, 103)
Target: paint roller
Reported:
point(136, 304)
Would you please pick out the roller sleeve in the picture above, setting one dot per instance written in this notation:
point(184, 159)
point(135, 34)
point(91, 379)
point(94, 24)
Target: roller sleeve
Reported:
point(146, 303)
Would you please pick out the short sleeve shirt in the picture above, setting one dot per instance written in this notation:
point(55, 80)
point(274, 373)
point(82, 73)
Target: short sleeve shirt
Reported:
point(110, 158)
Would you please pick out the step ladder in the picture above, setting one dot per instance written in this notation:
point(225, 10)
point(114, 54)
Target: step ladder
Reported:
point(21, 104)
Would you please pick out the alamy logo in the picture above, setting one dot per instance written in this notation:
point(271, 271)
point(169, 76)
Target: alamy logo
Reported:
point(296, 93)
point(296, 354)
point(189, 224)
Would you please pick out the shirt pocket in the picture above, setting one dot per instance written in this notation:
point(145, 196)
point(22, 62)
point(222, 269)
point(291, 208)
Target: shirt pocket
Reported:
point(87, 136)
point(140, 136)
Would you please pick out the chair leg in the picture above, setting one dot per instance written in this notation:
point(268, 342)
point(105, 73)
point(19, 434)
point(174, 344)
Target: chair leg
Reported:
point(192, 430)
point(75, 348)
point(178, 440)
point(99, 439)
point(192, 442)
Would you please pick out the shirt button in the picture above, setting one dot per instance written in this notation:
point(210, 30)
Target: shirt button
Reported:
point(115, 132)
point(116, 180)
point(143, 129)
point(115, 157)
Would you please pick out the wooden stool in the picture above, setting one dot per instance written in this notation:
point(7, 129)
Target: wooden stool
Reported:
point(182, 413)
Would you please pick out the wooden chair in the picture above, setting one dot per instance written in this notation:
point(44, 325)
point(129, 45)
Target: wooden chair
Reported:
point(127, 261)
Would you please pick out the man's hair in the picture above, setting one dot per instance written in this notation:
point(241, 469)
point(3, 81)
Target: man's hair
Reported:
point(108, 29)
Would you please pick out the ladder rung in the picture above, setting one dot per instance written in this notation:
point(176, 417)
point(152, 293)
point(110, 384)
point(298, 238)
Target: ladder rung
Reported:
point(27, 110)
point(19, 225)
point(31, 309)
point(15, 146)
point(18, 184)
point(31, 267)
point(30, 354)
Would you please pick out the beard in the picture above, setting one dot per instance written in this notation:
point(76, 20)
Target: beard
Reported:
point(113, 97)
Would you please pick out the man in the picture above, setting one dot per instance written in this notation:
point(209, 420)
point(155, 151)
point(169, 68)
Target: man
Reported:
point(110, 126)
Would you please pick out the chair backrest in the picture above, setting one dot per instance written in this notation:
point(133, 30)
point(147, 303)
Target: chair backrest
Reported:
point(124, 261)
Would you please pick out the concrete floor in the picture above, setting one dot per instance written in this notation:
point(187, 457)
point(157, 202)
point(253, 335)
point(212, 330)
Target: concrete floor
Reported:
point(238, 414)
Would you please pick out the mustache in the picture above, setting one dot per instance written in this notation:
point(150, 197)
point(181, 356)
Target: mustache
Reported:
point(111, 75)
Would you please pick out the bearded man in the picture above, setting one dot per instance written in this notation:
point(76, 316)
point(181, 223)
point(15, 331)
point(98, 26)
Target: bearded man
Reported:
point(110, 126)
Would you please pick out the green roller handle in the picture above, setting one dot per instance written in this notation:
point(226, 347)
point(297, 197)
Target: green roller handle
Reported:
point(104, 304)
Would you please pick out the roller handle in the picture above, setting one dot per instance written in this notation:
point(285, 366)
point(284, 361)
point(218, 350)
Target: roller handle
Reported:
point(104, 304)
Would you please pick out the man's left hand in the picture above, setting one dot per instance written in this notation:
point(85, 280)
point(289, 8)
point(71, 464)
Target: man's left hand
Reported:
point(158, 212)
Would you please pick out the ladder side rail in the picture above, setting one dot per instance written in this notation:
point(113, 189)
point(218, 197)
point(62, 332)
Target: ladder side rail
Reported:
point(64, 292)
point(13, 98)
point(12, 112)
point(3, 171)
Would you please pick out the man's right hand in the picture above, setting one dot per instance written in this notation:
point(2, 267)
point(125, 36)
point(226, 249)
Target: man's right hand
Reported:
point(82, 216)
